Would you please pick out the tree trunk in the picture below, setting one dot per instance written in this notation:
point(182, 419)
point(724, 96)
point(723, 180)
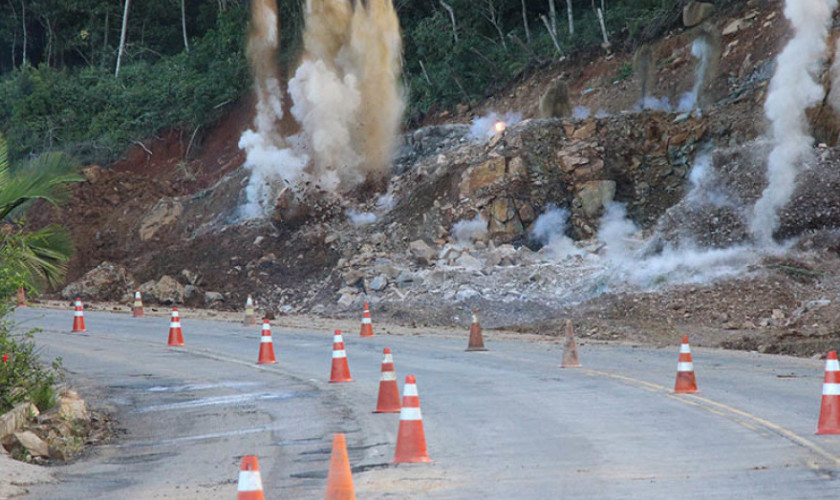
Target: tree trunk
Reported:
point(525, 23)
point(184, 26)
point(551, 34)
point(451, 17)
point(122, 37)
point(494, 19)
point(606, 44)
point(23, 22)
point(552, 16)
point(571, 18)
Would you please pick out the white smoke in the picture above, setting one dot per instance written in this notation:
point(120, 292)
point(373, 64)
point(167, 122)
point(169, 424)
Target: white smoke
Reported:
point(700, 49)
point(326, 105)
point(484, 127)
point(601, 113)
point(386, 202)
point(627, 264)
point(793, 89)
point(468, 231)
point(361, 218)
point(654, 103)
point(272, 167)
point(550, 230)
point(580, 113)
point(615, 232)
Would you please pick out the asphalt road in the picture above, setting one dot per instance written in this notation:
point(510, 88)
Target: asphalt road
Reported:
point(507, 423)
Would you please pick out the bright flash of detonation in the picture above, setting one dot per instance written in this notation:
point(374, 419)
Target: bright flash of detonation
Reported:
point(793, 89)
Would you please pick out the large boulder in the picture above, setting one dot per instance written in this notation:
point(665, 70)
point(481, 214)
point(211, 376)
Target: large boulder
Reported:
point(422, 252)
point(168, 291)
point(107, 281)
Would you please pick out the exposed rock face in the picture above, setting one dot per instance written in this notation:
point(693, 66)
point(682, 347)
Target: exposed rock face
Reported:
point(107, 281)
point(164, 213)
point(695, 13)
point(32, 443)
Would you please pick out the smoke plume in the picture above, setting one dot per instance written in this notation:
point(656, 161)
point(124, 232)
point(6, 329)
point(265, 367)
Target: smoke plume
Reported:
point(550, 230)
point(701, 50)
point(346, 98)
point(793, 89)
point(468, 231)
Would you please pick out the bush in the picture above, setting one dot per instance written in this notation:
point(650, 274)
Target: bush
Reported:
point(23, 377)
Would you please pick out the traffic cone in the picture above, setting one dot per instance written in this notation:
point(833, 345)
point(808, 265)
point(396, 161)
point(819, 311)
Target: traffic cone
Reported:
point(340, 369)
point(570, 351)
point(476, 342)
point(176, 337)
point(367, 325)
point(21, 297)
point(250, 318)
point(829, 422)
point(686, 383)
point(79, 317)
point(137, 310)
point(266, 346)
point(411, 440)
point(340, 477)
point(250, 483)
point(389, 392)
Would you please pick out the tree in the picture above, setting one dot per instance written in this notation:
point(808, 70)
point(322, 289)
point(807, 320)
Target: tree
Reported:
point(37, 258)
point(122, 37)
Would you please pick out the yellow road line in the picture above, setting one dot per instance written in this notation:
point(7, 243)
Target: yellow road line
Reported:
point(722, 410)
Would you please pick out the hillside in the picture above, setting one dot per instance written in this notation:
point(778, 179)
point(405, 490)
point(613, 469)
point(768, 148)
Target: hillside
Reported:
point(681, 261)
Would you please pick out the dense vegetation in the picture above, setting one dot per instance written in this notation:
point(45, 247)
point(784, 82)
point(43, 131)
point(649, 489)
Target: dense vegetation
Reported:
point(29, 260)
point(58, 89)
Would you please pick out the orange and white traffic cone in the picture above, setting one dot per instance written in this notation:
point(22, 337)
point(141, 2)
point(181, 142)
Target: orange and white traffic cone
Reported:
point(176, 337)
point(137, 310)
point(340, 477)
point(266, 346)
point(367, 324)
point(476, 342)
point(686, 383)
point(389, 392)
point(250, 483)
point(21, 297)
point(570, 351)
point(411, 440)
point(340, 371)
point(250, 318)
point(79, 317)
point(829, 422)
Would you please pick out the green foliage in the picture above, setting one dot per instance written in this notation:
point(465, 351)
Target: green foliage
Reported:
point(32, 259)
point(94, 116)
point(624, 72)
point(64, 97)
point(23, 377)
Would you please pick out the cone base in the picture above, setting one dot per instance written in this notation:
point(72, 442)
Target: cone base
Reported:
point(827, 432)
point(273, 361)
point(395, 410)
point(175, 344)
point(340, 381)
point(686, 391)
point(79, 331)
point(135, 315)
point(365, 336)
point(468, 349)
point(576, 365)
